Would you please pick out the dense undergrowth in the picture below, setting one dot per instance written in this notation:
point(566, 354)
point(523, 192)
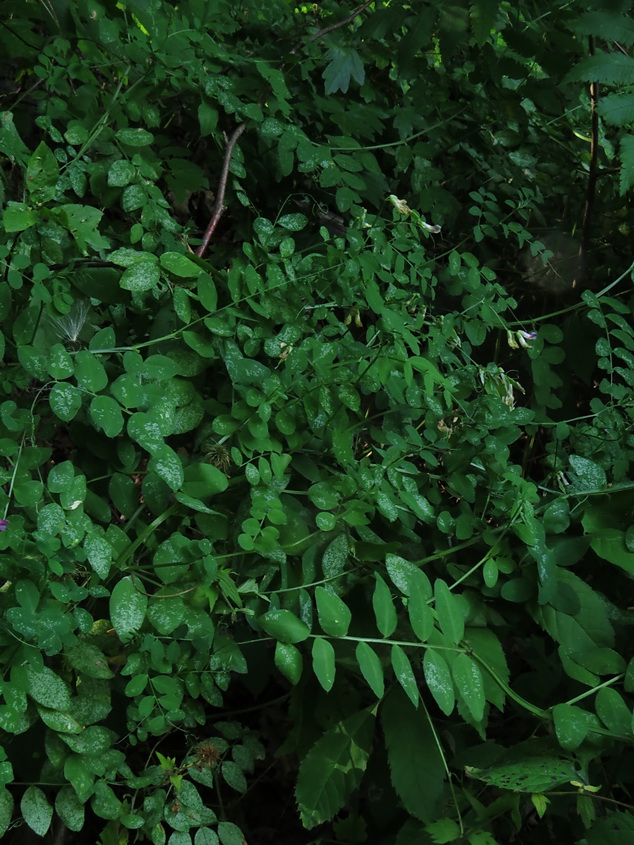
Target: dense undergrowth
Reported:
point(318, 529)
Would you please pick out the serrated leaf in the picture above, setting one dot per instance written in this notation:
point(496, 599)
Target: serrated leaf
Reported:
point(333, 768)
point(416, 768)
point(404, 673)
point(439, 681)
point(127, 608)
point(324, 662)
point(371, 668)
point(443, 831)
point(333, 614)
point(36, 811)
point(610, 68)
point(383, 605)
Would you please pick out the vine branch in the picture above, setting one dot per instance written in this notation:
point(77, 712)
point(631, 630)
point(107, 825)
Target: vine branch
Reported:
point(219, 206)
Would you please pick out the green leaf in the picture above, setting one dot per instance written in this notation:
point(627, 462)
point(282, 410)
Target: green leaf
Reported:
point(404, 673)
point(42, 173)
point(79, 776)
point(17, 217)
point(449, 612)
point(99, 554)
point(65, 401)
point(284, 626)
point(143, 275)
point(6, 810)
point(166, 611)
point(208, 119)
point(421, 617)
point(439, 681)
point(343, 66)
point(59, 362)
point(613, 711)
point(168, 466)
point(89, 371)
point(47, 688)
point(288, 660)
point(179, 265)
point(87, 658)
point(443, 831)
point(469, 683)
point(60, 478)
point(127, 608)
point(207, 292)
point(82, 222)
point(384, 610)
point(233, 776)
point(335, 557)
point(106, 415)
point(104, 802)
point(36, 811)
point(121, 173)
point(371, 668)
point(134, 137)
point(529, 767)
point(572, 725)
point(333, 768)
point(416, 767)
point(324, 662)
point(611, 68)
point(230, 834)
point(334, 616)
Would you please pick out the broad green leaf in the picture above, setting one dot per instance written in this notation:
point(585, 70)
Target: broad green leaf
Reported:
point(531, 767)
point(104, 802)
point(383, 605)
point(166, 611)
point(6, 810)
point(82, 222)
point(121, 173)
point(334, 616)
point(135, 137)
point(371, 668)
point(36, 811)
point(87, 658)
point(333, 768)
point(79, 776)
point(106, 415)
point(59, 362)
point(572, 725)
point(99, 553)
point(284, 626)
point(47, 688)
point(145, 429)
point(61, 477)
point(230, 834)
point(17, 217)
point(613, 711)
point(404, 673)
point(233, 776)
point(402, 573)
point(335, 557)
point(42, 173)
point(416, 767)
point(288, 660)
point(127, 608)
point(206, 836)
point(443, 831)
point(208, 119)
point(207, 292)
point(65, 401)
point(449, 612)
point(179, 265)
point(144, 275)
point(168, 466)
point(439, 680)
point(421, 617)
point(468, 679)
point(90, 372)
point(324, 662)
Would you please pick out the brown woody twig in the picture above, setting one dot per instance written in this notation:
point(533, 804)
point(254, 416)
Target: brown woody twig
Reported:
point(317, 35)
point(219, 206)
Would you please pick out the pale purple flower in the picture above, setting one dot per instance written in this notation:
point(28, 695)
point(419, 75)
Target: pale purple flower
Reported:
point(4, 524)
